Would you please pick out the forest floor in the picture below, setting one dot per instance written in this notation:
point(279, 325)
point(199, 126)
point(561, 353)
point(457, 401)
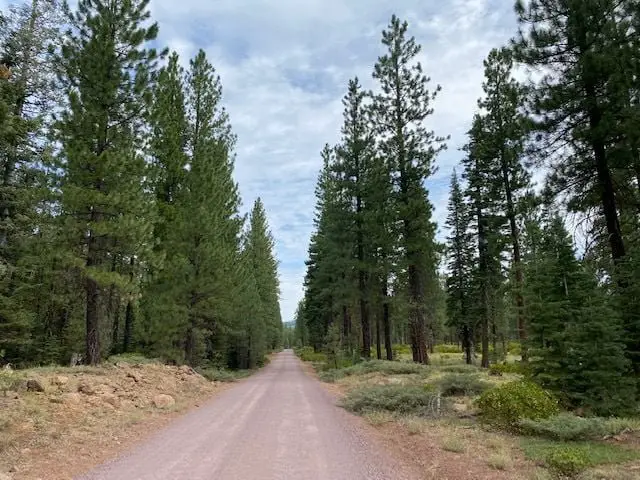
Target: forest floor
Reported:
point(453, 445)
point(58, 422)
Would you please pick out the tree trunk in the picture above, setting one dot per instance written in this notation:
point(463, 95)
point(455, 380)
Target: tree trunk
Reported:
point(128, 327)
point(387, 326)
point(366, 328)
point(189, 348)
point(129, 315)
point(346, 326)
point(92, 322)
point(517, 262)
point(605, 181)
point(115, 332)
point(378, 339)
point(482, 260)
point(467, 344)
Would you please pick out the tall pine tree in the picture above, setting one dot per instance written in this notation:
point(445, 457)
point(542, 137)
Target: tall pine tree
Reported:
point(409, 149)
point(107, 72)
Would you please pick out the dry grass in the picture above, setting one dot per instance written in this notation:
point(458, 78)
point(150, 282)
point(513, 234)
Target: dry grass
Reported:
point(89, 413)
point(378, 418)
point(627, 471)
point(447, 448)
point(499, 461)
point(454, 444)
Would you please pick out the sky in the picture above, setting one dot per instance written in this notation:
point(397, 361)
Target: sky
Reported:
point(284, 67)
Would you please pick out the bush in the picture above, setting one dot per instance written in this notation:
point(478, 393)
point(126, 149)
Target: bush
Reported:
point(384, 367)
point(568, 427)
point(131, 358)
point(308, 354)
point(453, 385)
point(459, 368)
point(222, 374)
point(414, 400)
point(567, 461)
point(500, 368)
point(400, 349)
point(504, 406)
point(514, 348)
point(447, 348)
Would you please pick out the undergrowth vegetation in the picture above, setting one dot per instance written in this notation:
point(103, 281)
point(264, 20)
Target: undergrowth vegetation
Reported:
point(407, 400)
point(568, 427)
point(456, 385)
point(383, 367)
point(500, 401)
point(568, 459)
point(506, 405)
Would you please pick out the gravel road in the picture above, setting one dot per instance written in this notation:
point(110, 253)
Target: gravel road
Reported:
point(278, 424)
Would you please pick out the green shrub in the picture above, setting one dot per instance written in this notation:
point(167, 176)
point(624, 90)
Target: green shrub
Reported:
point(569, 458)
point(384, 367)
point(568, 427)
point(501, 368)
point(308, 354)
point(567, 461)
point(514, 348)
point(407, 400)
point(400, 349)
point(447, 348)
point(222, 374)
point(131, 358)
point(504, 406)
point(459, 368)
point(453, 385)
point(9, 380)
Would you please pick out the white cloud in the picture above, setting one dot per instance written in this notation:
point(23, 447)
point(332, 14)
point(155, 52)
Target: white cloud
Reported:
point(284, 66)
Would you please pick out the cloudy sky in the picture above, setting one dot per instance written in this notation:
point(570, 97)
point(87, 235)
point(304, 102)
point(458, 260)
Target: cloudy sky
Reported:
point(284, 66)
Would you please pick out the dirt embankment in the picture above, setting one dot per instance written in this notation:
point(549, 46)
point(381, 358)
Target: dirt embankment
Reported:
point(58, 422)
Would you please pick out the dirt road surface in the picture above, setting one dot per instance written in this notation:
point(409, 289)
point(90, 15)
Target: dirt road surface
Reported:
point(279, 424)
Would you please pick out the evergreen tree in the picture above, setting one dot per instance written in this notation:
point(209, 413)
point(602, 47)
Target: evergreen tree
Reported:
point(461, 260)
point(325, 266)
point(208, 226)
point(301, 331)
point(505, 127)
point(353, 163)
point(265, 271)
point(576, 335)
point(107, 73)
point(27, 35)
point(168, 149)
point(585, 106)
point(398, 113)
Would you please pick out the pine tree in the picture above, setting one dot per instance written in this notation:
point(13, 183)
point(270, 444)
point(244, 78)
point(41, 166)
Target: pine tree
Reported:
point(107, 73)
point(168, 151)
point(300, 329)
point(354, 159)
point(265, 271)
point(577, 335)
point(26, 96)
point(505, 126)
point(409, 149)
point(478, 165)
point(325, 266)
point(208, 226)
point(585, 106)
point(461, 260)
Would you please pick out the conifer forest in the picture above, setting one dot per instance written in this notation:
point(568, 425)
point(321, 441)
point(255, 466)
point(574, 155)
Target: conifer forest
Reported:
point(121, 224)
point(540, 252)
